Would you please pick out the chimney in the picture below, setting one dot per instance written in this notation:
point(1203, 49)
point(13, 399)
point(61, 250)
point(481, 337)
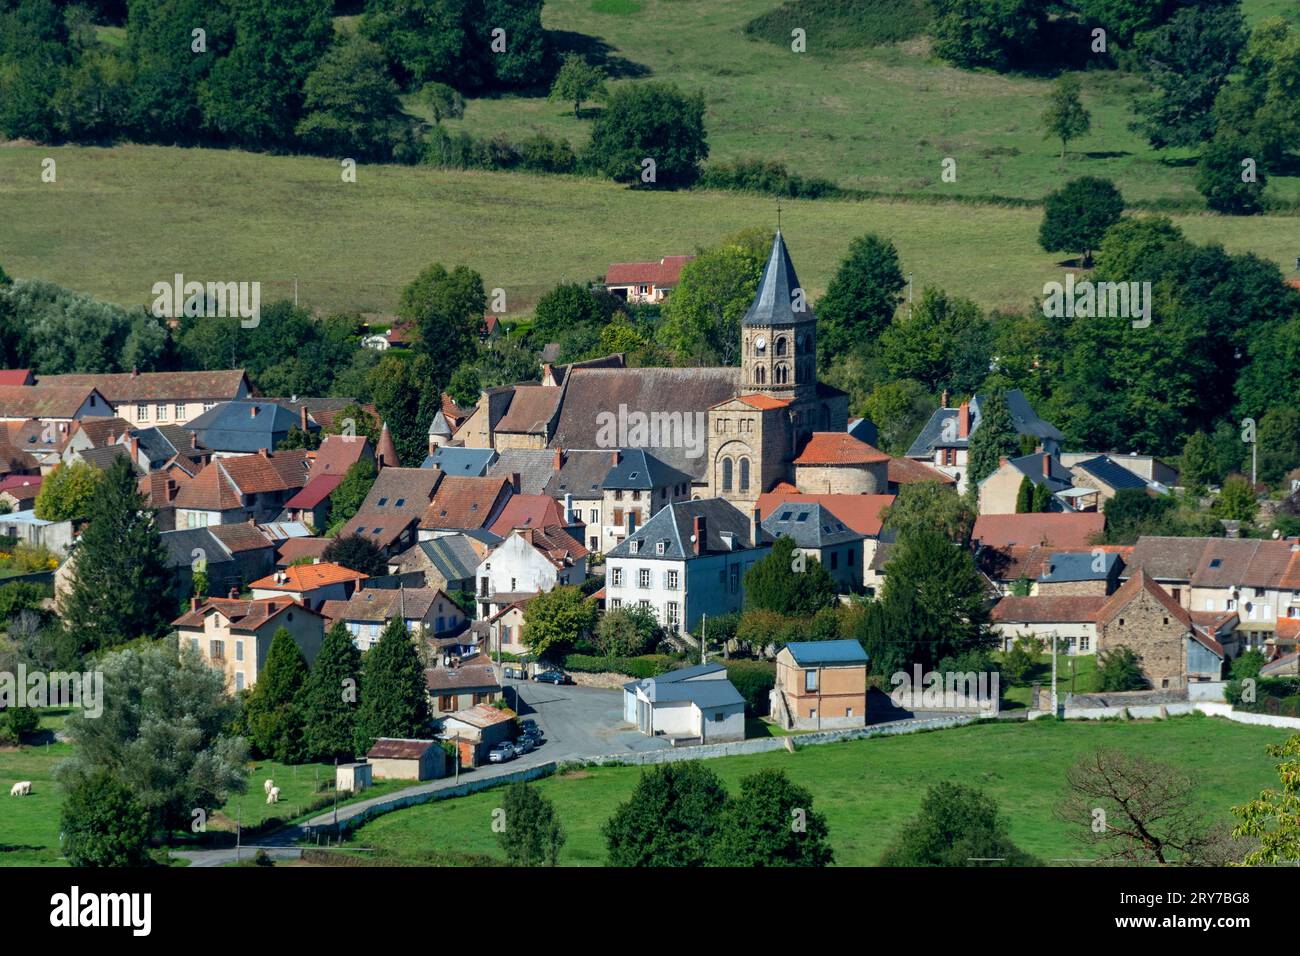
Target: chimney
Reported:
point(1047, 466)
point(135, 448)
point(1002, 460)
point(569, 516)
point(234, 594)
point(943, 399)
point(616, 457)
point(252, 410)
point(264, 453)
point(194, 603)
point(514, 481)
point(134, 371)
point(700, 528)
point(963, 420)
point(559, 459)
point(755, 525)
point(302, 417)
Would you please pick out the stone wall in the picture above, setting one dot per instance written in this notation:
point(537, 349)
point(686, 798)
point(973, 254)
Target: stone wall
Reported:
point(1146, 626)
point(869, 479)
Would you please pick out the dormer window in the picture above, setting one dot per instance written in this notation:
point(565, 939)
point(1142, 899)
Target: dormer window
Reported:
point(661, 547)
point(634, 547)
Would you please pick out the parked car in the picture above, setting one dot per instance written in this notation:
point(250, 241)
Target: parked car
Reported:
point(553, 677)
point(529, 726)
point(502, 752)
point(515, 671)
point(524, 743)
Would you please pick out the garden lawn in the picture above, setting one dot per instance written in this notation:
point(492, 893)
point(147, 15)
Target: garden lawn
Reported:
point(869, 788)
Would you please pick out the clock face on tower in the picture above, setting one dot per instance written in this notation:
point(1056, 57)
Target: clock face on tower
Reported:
point(760, 343)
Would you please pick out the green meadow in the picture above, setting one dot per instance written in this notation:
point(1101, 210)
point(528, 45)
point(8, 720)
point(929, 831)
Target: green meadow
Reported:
point(867, 789)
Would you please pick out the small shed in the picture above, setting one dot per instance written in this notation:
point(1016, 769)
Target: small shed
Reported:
point(353, 777)
point(402, 759)
point(483, 726)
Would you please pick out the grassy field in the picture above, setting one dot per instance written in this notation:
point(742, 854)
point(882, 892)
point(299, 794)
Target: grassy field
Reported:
point(1083, 680)
point(118, 220)
point(869, 788)
point(881, 118)
point(29, 826)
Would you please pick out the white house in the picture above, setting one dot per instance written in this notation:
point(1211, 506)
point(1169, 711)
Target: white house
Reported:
point(527, 561)
point(688, 560)
point(693, 705)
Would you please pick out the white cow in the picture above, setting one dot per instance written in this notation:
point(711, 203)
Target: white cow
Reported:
point(267, 784)
point(273, 795)
point(21, 789)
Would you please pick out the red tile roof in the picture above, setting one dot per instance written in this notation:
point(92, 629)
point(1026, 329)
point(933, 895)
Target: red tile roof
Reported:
point(483, 716)
point(838, 448)
point(859, 512)
point(221, 385)
point(221, 482)
point(662, 274)
point(1288, 629)
point(462, 503)
point(15, 376)
point(531, 410)
point(393, 748)
point(1290, 579)
point(905, 471)
point(761, 402)
point(295, 549)
point(556, 544)
point(46, 401)
point(527, 511)
point(1059, 531)
point(315, 491)
point(1048, 609)
point(244, 615)
point(301, 578)
point(338, 453)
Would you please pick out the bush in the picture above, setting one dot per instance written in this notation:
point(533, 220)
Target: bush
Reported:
point(754, 679)
point(767, 177)
point(842, 24)
point(649, 665)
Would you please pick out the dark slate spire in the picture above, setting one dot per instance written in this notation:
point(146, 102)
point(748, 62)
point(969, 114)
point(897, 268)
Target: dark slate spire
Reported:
point(773, 305)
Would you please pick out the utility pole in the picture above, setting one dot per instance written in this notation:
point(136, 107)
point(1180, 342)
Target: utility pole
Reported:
point(909, 295)
point(704, 625)
point(295, 290)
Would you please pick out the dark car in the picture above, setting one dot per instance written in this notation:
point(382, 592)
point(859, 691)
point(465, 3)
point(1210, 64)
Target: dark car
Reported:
point(524, 743)
point(553, 677)
point(529, 726)
point(502, 752)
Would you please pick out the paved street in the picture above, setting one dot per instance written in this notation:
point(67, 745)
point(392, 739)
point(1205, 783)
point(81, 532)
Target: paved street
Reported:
point(579, 722)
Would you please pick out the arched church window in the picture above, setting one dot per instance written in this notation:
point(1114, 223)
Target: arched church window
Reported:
point(760, 375)
point(780, 345)
point(726, 474)
point(782, 374)
point(744, 474)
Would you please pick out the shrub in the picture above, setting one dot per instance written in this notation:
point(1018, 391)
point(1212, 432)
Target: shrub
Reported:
point(649, 665)
point(754, 679)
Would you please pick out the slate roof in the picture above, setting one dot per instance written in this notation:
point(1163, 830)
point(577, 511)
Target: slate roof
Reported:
point(104, 457)
point(685, 391)
point(535, 466)
point(181, 544)
point(826, 653)
point(680, 685)
point(809, 525)
point(1061, 531)
point(120, 387)
point(1106, 469)
point(1065, 566)
point(581, 475)
point(467, 462)
point(838, 448)
point(637, 469)
point(1031, 466)
point(232, 426)
point(861, 513)
point(453, 556)
point(161, 443)
point(674, 524)
point(1023, 417)
point(772, 303)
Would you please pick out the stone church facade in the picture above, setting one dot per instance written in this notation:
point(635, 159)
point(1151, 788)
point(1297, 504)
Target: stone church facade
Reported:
point(755, 437)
